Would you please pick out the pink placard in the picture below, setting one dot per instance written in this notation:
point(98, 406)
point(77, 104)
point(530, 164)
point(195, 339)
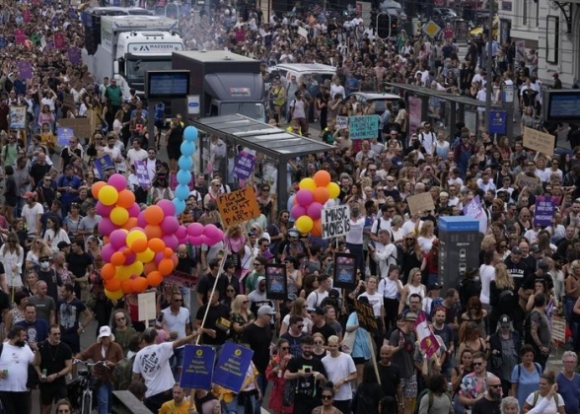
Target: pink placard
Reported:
point(26, 15)
point(59, 41)
point(20, 36)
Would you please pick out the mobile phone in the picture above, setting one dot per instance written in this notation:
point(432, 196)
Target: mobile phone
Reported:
point(308, 370)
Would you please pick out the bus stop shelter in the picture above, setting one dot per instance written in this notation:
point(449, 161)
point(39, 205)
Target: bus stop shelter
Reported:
point(273, 145)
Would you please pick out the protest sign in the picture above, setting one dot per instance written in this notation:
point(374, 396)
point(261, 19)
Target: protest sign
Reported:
point(59, 41)
point(197, 368)
point(24, 69)
point(335, 221)
point(74, 55)
point(102, 163)
point(142, 174)
point(244, 165)
point(427, 340)
point(26, 15)
point(238, 206)
point(559, 328)
point(344, 271)
point(19, 36)
point(276, 282)
point(545, 210)
point(363, 126)
point(17, 116)
point(230, 371)
point(147, 308)
point(420, 203)
point(303, 32)
point(82, 127)
point(539, 141)
point(341, 122)
point(366, 316)
point(64, 135)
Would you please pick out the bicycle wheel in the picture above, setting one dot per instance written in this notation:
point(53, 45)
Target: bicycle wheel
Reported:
point(87, 403)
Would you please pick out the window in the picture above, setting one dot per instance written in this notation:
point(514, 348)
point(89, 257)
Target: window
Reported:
point(552, 39)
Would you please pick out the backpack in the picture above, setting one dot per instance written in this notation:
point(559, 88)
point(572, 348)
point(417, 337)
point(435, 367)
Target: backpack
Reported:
point(123, 374)
point(538, 368)
point(506, 300)
point(422, 138)
point(420, 397)
point(537, 396)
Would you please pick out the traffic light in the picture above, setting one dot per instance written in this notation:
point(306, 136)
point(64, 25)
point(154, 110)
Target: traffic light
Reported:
point(384, 25)
point(394, 26)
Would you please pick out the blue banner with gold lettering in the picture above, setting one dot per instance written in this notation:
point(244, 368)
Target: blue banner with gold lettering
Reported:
point(197, 369)
point(232, 367)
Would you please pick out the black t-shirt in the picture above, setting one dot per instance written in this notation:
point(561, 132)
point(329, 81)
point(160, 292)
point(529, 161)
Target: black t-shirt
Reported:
point(53, 359)
point(295, 343)
point(52, 280)
point(214, 314)
point(307, 389)
point(37, 172)
point(485, 406)
point(4, 298)
point(185, 264)
point(78, 263)
point(69, 315)
point(518, 271)
point(205, 285)
point(259, 339)
point(390, 379)
point(531, 280)
point(326, 330)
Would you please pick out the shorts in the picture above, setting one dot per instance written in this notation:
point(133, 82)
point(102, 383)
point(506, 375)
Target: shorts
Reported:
point(360, 360)
point(409, 386)
point(174, 152)
point(50, 393)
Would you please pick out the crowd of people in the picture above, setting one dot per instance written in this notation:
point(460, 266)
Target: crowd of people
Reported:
point(311, 354)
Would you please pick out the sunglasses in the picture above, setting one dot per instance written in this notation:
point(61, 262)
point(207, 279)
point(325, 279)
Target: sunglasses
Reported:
point(285, 348)
point(230, 290)
point(477, 364)
point(120, 319)
point(327, 397)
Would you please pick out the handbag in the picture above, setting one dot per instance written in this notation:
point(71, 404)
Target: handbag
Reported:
point(289, 393)
point(348, 342)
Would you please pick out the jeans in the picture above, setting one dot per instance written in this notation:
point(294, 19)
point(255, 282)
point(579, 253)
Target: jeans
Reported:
point(249, 405)
point(176, 362)
point(230, 408)
point(104, 395)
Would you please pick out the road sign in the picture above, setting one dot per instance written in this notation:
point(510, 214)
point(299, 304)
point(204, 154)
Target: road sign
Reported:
point(431, 29)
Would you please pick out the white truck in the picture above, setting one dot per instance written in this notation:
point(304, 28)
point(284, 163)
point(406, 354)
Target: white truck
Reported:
point(126, 47)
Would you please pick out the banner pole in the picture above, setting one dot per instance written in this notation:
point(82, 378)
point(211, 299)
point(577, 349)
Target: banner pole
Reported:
point(374, 357)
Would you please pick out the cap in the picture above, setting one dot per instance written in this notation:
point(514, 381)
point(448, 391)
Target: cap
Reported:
point(293, 233)
point(291, 297)
point(105, 332)
point(333, 293)
point(516, 250)
point(411, 316)
point(28, 194)
point(543, 265)
point(266, 310)
point(434, 286)
point(504, 319)
point(62, 245)
point(318, 310)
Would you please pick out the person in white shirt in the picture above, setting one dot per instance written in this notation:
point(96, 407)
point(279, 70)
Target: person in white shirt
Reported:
point(316, 297)
point(375, 298)
point(427, 138)
point(136, 153)
point(341, 370)
point(113, 151)
point(485, 183)
point(383, 252)
point(177, 323)
point(32, 212)
point(12, 257)
point(486, 275)
point(15, 359)
point(152, 365)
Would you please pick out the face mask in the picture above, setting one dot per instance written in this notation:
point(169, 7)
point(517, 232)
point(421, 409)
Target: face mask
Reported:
point(44, 265)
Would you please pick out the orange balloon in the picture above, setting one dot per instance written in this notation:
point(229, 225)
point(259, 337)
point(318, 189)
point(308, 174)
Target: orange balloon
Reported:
point(153, 215)
point(153, 232)
point(126, 199)
point(317, 229)
point(108, 271)
point(321, 194)
point(165, 266)
point(105, 240)
point(139, 284)
point(157, 245)
point(175, 259)
point(154, 279)
point(113, 284)
point(96, 188)
point(127, 251)
point(149, 267)
point(321, 178)
point(168, 252)
point(117, 259)
point(139, 245)
point(130, 224)
point(127, 286)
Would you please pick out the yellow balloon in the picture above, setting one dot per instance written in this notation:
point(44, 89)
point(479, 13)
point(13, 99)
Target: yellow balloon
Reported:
point(123, 272)
point(304, 224)
point(108, 195)
point(134, 235)
point(306, 184)
point(119, 216)
point(146, 256)
point(136, 268)
point(116, 295)
point(333, 190)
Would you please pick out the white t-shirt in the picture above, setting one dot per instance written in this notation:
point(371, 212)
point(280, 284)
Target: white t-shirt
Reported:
point(134, 155)
point(355, 235)
point(177, 323)
point(30, 214)
point(315, 299)
point(53, 240)
point(15, 359)
point(551, 407)
point(375, 300)
point(152, 362)
point(486, 274)
point(338, 369)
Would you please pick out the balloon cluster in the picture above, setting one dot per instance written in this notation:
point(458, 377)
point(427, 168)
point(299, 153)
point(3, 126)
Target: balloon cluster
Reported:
point(185, 164)
point(309, 202)
point(198, 234)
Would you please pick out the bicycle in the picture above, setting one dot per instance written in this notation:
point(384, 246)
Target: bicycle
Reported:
point(80, 389)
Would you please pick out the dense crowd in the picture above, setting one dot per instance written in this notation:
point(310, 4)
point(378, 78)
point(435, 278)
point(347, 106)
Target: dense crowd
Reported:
point(494, 328)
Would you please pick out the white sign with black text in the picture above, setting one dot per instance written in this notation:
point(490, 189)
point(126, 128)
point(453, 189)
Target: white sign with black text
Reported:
point(335, 221)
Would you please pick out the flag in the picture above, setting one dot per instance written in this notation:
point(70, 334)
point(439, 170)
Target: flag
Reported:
point(427, 340)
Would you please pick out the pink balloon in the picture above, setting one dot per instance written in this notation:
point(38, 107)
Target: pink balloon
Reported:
point(314, 210)
point(107, 252)
point(304, 197)
point(195, 229)
point(141, 219)
point(196, 240)
point(210, 230)
point(171, 241)
point(159, 257)
point(169, 225)
point(106, 227)
point(298, 211)
point(103, 210)
point(168, 207)
point(134, 210)
point(130, 259)
point(181, 234)
point(206, 240)
point(217, 237)
point(118, 181)
point(117, 239)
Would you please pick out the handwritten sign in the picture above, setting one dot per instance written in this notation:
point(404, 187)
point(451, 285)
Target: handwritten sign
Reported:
point(19, 36)
point(244, 165)
point(197, 368)
point(366, 316)
point(59, 41)
point(24, 69)
point(335, 221)
point(363, 126)
point(303, 32)
point(82, 127)
point(142, 174)
point(419, 203)
point(238, 206)
point(232, 367)
point(341, 122)
point(539, 141)
point(64, 135)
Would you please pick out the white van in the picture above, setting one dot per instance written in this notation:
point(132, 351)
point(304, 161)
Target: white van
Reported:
point(313, 74)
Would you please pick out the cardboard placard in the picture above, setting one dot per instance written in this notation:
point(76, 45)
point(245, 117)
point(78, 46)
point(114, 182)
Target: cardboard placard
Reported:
point(238, 206)
point(335, 221)
point(539, 141)
point(147, 308)
point(276, 282)
point(68, 101)
point(82, 127)
point(344, 271)
point(366, 316)
point(419, 203)
point(363, 126)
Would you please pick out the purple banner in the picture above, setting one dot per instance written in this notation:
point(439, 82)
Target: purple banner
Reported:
point(74, 55)
point(244, 165)
point(142, 174)
point(25, 69)
point(545, 209)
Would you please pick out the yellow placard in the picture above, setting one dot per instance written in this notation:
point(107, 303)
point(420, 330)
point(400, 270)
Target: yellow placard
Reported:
point(238, 206)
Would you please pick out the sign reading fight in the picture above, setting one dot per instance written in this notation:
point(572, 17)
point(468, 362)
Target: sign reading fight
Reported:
point(335, 221)
point(197, 370)
point(238, 206)
point(230, 371)
point(363, 126)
